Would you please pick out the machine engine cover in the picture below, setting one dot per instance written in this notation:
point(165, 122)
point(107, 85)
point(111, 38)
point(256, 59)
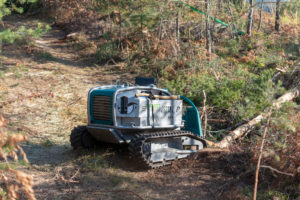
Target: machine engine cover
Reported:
point(145, 113)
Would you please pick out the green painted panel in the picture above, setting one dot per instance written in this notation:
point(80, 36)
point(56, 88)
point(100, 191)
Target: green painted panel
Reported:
point(192, 118)
point(102, 92)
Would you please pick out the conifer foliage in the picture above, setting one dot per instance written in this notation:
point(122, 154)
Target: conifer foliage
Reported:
point(18, 6)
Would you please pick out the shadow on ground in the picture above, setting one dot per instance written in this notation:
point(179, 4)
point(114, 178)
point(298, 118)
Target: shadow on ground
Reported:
point(107, 173)
point(102, 155)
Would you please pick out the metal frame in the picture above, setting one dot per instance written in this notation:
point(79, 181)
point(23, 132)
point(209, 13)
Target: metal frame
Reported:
point(124, 136)
point(122, 88)
point(198, 122)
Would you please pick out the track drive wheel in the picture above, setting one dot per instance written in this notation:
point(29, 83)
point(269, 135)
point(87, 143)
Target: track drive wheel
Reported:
point(80, 137)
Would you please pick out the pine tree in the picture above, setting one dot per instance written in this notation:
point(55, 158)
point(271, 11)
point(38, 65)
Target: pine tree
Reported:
point(6, 8)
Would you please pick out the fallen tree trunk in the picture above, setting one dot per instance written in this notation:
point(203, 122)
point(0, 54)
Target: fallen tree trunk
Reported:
point(241, 130)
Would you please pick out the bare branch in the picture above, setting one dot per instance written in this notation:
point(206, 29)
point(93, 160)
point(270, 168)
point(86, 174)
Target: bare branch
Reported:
point(260, 154)
point(276, 170)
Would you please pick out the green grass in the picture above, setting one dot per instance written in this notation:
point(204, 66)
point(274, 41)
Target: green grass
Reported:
point(116, 180)
point(3, 194)
point(93, 161)
point(4, 166)
point(45, 56)
point(3, 98)
point(47, 143)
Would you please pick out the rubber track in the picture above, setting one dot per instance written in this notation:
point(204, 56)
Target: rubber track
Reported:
point(75, 137)
point(80, 138)
point(136, 144)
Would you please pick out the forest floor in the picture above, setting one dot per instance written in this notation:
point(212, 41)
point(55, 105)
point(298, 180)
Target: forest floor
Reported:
point(43, 92)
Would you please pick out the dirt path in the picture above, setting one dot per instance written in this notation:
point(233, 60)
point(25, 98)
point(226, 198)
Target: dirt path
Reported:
point(43, 95)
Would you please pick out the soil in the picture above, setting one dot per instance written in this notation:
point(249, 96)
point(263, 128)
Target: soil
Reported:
point(43, 94)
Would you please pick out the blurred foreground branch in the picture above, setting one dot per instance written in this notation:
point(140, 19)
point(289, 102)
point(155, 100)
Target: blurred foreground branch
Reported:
point(260, 154)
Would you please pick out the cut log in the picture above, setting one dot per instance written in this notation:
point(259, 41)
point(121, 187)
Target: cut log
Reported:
point(241, 130)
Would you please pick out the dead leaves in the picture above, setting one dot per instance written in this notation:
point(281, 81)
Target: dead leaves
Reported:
point(16, 139)
point(12, 142)
point(249, 57)
point(2, 122)
point(27, 183)
point(12, 192)
point(9, 147)
point(12, 186)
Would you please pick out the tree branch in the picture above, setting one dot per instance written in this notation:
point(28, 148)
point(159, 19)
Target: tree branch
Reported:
point(260, 154)
point(276, 170)
point(238, 132)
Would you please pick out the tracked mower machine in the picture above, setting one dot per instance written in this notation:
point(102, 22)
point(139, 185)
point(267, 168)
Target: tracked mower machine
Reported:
point(155, 124)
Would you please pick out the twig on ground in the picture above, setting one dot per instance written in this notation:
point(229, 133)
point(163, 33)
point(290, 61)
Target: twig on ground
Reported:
point(111, 60)
point(73, 102)
point(74, 176)
point(59, 177)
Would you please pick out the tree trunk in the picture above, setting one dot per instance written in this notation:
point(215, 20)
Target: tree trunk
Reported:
point(142, 23)
point(260, 14)
point(250, 18)
point(177, 34)
point(241, 130)
point(55, 11)
point(277, 16)
point(207, 28)
point(120, 28)
point(243, 2)
point(219, 7)
point(160, 24)
point(297, 33)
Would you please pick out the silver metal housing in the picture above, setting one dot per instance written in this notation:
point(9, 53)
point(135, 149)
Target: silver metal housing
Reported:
point(167, 113)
